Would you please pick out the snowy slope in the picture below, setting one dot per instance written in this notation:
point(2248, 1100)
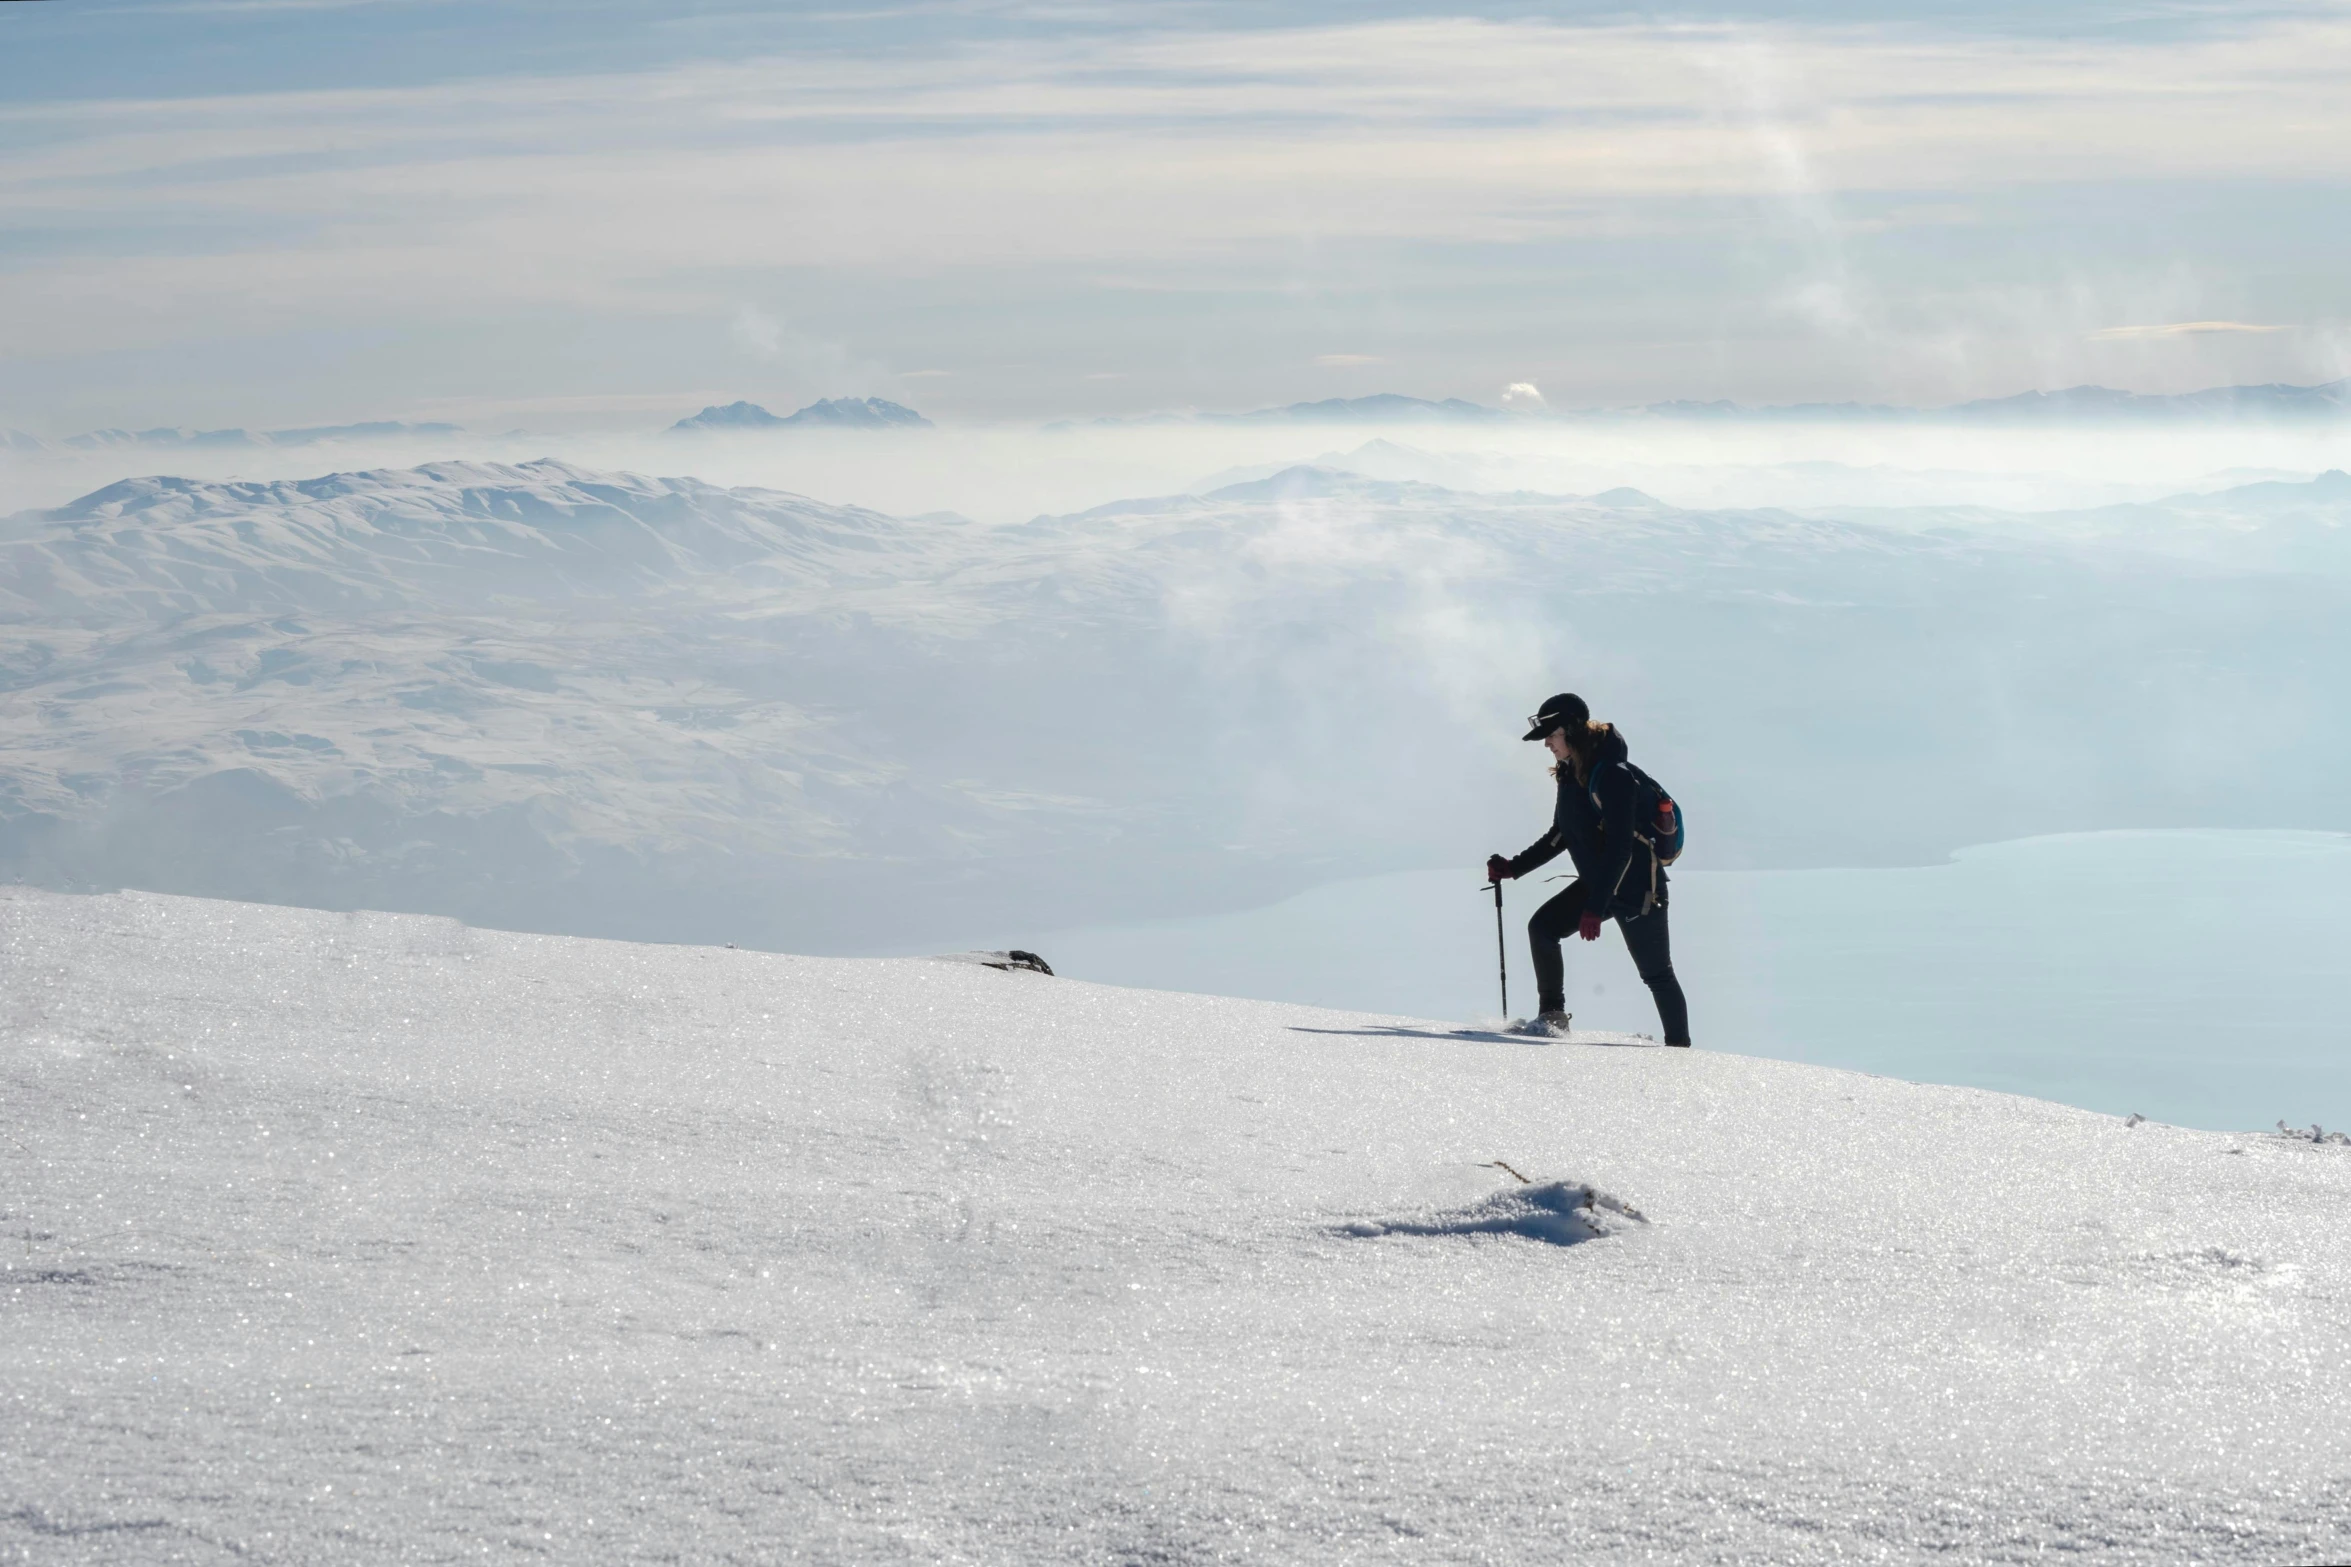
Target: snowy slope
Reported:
point(367, 1238)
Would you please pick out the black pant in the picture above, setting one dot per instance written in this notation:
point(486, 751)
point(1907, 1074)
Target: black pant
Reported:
point(1645, 938)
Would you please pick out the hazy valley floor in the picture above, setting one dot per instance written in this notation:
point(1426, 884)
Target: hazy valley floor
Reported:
point(363, 1238)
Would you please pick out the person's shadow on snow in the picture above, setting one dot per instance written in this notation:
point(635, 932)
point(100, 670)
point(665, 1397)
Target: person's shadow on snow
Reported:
point(1498, 1036)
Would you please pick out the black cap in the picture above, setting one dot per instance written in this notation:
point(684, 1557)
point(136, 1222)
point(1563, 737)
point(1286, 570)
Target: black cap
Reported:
point(1564, 711)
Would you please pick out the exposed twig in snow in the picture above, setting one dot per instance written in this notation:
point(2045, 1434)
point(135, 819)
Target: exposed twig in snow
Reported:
point(1499, 1165)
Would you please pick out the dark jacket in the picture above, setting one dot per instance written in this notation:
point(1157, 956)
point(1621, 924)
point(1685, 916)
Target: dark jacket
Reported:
point(1595, 826)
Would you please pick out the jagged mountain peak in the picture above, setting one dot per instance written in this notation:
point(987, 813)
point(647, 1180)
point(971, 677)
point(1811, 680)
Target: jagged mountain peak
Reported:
point(849, 413)
point(170, 497)
point(545, 531)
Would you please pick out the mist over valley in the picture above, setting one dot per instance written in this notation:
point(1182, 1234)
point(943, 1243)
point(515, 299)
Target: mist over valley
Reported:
point(551, 697)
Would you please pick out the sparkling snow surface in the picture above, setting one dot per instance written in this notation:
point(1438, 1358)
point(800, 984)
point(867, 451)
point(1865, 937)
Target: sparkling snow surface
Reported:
point(368, 1238)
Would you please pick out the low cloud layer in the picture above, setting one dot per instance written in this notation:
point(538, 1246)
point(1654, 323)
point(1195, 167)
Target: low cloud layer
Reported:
point(547, 697)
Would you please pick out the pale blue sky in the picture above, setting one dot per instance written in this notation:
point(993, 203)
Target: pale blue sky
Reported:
point(522, 212)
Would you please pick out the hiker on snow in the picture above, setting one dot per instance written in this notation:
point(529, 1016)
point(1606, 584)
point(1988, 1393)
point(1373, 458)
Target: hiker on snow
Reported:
point(1620, 829)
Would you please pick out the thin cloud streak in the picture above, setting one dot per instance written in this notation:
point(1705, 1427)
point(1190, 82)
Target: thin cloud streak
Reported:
point(1486, 82)
point(2120, 334)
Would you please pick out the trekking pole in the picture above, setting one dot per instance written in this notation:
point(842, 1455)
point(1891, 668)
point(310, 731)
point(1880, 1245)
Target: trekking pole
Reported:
point(1501, 949)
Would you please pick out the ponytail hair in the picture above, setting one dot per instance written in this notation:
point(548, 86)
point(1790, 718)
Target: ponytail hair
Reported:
point(1583, 743)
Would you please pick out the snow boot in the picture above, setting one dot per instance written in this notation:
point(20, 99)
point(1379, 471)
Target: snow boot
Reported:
point(1553, 1021)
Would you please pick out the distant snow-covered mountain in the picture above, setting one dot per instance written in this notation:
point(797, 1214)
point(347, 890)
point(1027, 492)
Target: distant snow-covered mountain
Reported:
point(847, 413)
point(2328, 496)
point(444, 536)
point(737, 415)
point(546, 697)
point(2332, 399)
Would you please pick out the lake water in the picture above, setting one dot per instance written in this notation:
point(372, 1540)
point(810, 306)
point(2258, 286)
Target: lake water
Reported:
point(2200, 978)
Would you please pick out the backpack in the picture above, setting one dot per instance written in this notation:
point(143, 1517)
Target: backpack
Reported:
point(1657, 819)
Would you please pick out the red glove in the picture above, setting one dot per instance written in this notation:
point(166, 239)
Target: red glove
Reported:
point(1497, 868)
point(1590, 928)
